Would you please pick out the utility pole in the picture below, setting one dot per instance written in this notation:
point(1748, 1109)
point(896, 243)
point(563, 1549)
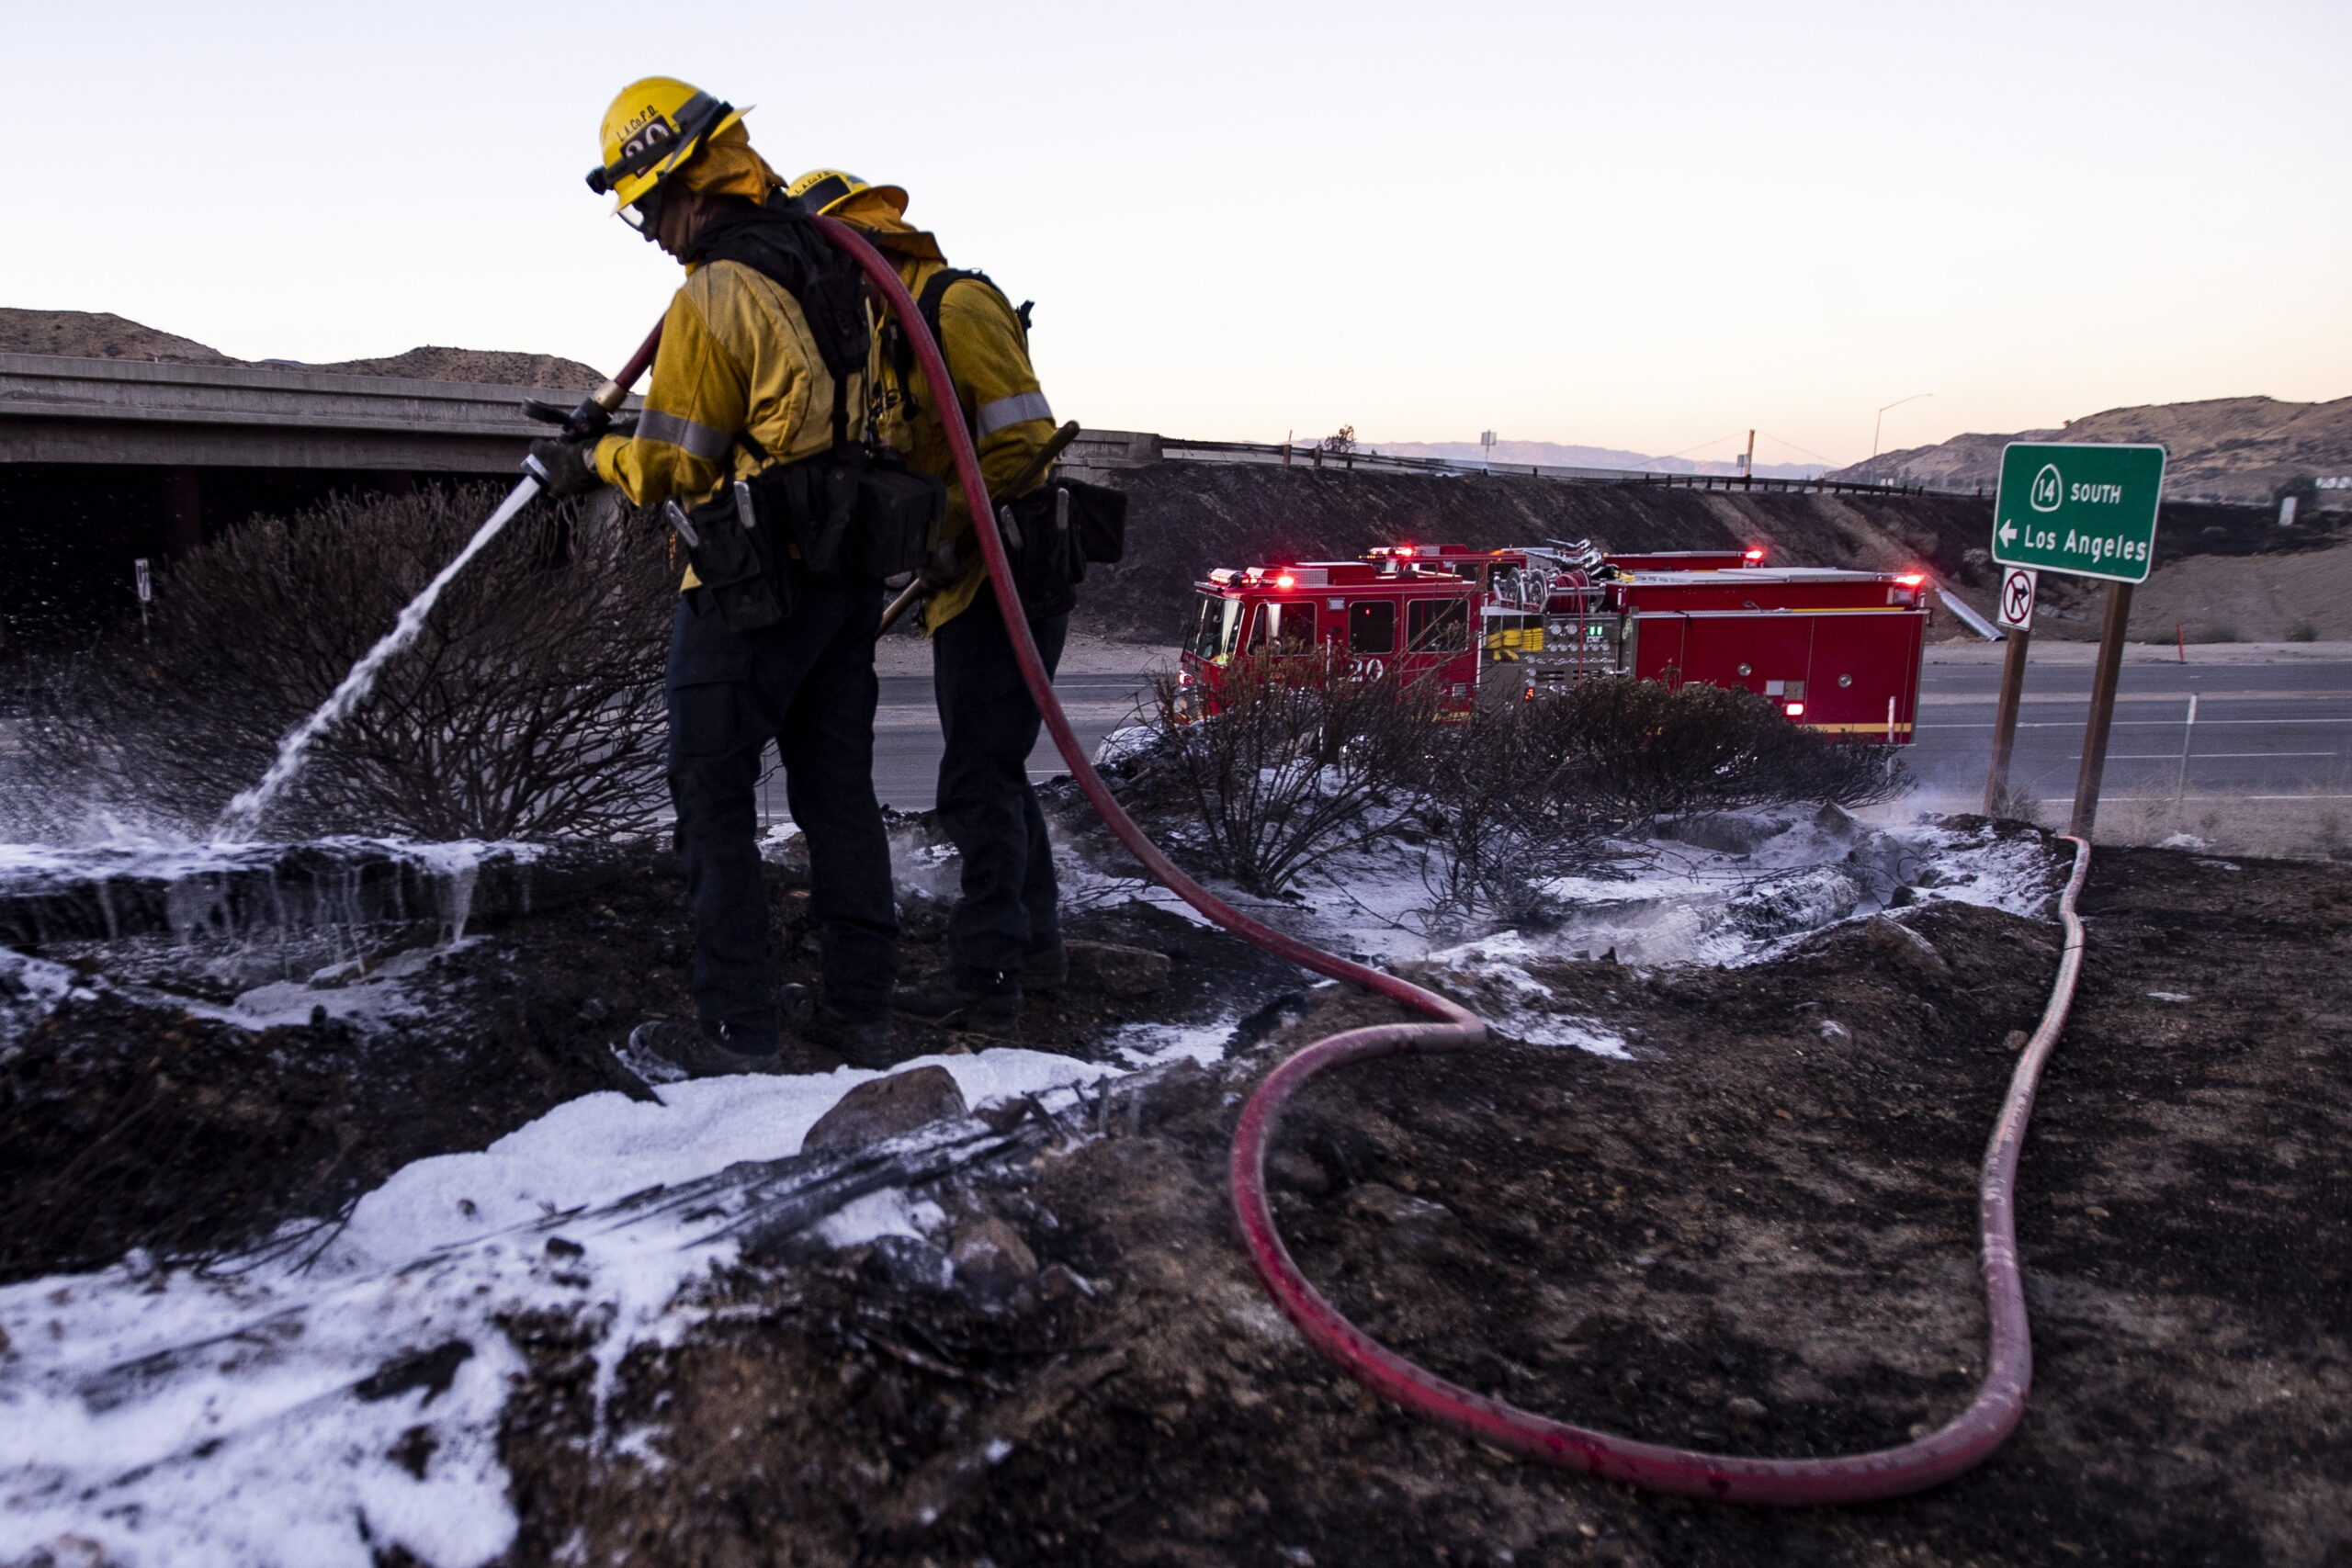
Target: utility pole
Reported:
point(1487, 439)
point(1747, 461)
point(1881, 420)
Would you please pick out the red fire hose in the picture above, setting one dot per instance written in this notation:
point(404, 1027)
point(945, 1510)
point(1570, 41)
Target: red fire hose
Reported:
point(1851, 1478)
point(1961, 1444)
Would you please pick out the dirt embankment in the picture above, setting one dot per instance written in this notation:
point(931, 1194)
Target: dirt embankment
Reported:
point(1186, 518)
point(98, 335)
point(489, 367)
point(1758, 1236)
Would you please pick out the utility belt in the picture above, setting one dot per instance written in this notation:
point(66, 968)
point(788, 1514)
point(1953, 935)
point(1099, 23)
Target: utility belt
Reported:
point(847, 512)
point(1052, 535)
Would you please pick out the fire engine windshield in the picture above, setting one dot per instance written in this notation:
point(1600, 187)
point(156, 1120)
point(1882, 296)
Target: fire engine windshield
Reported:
point(1215, 626)
point(1290, 627)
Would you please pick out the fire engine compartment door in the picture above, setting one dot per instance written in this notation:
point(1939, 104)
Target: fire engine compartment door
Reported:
point(1862, 661)
point(1657, 647)
point(1760, 653)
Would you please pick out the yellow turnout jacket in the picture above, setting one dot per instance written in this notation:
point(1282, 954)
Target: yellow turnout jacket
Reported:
point(736, 356)
point(987, 353)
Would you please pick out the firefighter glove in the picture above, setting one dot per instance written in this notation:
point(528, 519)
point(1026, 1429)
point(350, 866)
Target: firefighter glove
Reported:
point(565, 468)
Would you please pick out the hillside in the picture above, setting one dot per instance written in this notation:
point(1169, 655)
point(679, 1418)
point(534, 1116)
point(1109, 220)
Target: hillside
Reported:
point(1185, 518)
point(2225, 449)
point(2237, 568)
point(491, 366)
point(98, 335)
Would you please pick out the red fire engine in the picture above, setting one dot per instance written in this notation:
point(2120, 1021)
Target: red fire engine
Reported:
point(1368, 620)
point(1838, 650)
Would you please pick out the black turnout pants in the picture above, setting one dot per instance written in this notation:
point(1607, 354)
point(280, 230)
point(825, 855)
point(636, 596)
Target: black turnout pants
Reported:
point(1010, 903)
point(809, 687)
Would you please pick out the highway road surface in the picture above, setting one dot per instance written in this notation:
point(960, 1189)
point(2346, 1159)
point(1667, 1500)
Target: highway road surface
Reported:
point(2262, 731)
point(907, 742)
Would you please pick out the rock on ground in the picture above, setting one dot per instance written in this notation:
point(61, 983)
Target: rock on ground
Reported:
point(885, 1107)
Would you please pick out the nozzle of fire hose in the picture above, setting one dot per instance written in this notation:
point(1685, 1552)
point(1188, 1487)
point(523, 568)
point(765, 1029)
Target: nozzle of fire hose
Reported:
point(594, 417)
point(590, 420)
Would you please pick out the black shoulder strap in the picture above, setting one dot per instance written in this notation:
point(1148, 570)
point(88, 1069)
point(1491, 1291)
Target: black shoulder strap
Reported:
point(783, 243)
point(779, 240)
point(902, 349)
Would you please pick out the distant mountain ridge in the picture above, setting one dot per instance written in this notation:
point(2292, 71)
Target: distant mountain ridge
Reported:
point(1554, 453)
point(2228, 449)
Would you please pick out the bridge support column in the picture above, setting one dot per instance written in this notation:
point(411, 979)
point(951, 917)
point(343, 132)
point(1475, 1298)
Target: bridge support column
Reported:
point(184, 506)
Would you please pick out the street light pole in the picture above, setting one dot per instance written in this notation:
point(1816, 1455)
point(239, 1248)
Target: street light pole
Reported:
point(1881, 420)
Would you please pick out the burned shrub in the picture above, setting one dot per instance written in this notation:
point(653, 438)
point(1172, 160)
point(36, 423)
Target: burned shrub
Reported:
point(1639, 748)
point(530, 705)
point(1303, 762)
point(1287, 771)
point(1526, 791)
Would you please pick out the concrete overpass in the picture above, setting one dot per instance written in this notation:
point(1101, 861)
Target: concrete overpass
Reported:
point(104, 461)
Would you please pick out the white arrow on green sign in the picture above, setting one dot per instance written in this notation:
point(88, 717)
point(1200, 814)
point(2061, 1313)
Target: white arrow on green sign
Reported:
point(2080, 508)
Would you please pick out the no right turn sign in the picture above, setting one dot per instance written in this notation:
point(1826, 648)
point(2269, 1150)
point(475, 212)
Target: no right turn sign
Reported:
point(2014, 612)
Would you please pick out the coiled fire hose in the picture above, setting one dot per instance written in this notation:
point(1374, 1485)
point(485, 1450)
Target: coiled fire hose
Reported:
point(1958, 1446)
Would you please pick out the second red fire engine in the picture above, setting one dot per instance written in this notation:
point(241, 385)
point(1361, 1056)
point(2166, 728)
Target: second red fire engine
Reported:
point(1838, 650)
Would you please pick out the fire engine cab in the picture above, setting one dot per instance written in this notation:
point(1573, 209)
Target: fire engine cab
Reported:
point(1838, 650)
point(1365, 620)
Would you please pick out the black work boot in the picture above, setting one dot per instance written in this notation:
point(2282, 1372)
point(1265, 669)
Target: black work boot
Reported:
point(1045, 969)
point(703, 1051)
point(985, 1000)
point(861, 1042)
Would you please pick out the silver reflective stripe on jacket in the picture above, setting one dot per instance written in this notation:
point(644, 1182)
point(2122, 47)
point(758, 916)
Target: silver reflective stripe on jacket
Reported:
point(699, 439)
point(1018, 408)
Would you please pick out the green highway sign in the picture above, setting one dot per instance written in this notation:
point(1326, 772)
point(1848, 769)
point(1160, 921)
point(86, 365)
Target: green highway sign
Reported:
point(2076, 507)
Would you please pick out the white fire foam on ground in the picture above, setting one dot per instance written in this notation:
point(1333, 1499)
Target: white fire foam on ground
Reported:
point(192, 1420)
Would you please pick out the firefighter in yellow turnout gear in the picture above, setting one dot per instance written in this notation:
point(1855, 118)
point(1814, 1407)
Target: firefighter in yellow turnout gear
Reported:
point(1006, 926)
point(762, 353)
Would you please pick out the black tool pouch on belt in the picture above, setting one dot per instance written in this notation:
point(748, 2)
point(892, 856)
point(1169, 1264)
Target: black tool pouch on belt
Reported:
point(735, 559)
point(1054, 533)
point(897, 517)
point(850, 512)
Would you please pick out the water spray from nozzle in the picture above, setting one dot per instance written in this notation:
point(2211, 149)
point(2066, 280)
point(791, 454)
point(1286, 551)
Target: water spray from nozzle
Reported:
point(243, 814)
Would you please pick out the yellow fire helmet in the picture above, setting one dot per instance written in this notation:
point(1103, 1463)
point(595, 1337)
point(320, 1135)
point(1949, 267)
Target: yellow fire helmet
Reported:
point(654, 126)
point(822, 190)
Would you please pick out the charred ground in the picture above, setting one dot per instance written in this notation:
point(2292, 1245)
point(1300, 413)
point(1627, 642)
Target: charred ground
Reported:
point(128, 1122)
point(1756, 1234)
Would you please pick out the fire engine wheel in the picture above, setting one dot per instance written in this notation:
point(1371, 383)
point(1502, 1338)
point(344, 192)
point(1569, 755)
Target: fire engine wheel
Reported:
point(1966, 1440)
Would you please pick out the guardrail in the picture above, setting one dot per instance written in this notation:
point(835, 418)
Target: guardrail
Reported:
point(1176, 449)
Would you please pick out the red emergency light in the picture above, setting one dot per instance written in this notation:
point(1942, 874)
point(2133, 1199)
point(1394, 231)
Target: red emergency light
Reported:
point(1753, 555)
point(1794, 710)
point(1402, 550)
point(1285, 580)
point(1911, 579)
